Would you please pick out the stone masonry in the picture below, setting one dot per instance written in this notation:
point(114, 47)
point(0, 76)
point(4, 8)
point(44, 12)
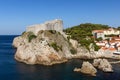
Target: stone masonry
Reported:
point(49, 25)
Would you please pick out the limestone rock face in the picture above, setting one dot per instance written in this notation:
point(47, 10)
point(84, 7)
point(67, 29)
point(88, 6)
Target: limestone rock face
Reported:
point(96, 62)
point(17, 41)
point(103, 65)
point(74, 43)
point(48, 47)
point(77, 69)
point(87, 68)
point(83, 53)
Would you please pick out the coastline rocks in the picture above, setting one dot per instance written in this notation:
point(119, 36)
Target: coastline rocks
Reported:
point(96, 62)
point(103, 65)
point(83, 53)
point(88, 68)
point(17, 42)
point(76, 69)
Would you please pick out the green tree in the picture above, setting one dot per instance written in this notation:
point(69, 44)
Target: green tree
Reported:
point(80, 32)
point(99, 39)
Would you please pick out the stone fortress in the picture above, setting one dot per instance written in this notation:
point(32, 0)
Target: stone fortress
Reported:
point(49, 25)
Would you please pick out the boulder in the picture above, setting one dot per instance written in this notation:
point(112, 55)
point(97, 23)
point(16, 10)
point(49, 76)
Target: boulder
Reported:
point(88, 68)
point(96, 62)
point(74, 43)
point(103, 65)
point(76, 70)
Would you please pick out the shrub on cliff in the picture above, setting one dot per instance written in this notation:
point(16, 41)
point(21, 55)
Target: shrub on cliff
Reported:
point(23, 33)
point(96, 48)
point(55, 46)
point(73, 51)
point(31, 36)
point(52, 31)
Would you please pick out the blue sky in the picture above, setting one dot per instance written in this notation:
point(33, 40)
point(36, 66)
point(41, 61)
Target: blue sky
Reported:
point(16, 15)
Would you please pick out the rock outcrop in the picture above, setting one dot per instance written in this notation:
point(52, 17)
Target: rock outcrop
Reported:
point(47, 44)
point(46, 48)
point(74, 43)
point(88, 68)
point(103, 65)
point(76, 69)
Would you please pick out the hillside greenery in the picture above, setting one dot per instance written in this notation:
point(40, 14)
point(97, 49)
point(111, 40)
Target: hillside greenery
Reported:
point(55, 46)
point(31, 36)
point(83, 33)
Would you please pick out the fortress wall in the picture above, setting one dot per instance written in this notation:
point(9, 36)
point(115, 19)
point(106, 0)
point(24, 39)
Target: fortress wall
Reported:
point(31, 29)
point(49, 25)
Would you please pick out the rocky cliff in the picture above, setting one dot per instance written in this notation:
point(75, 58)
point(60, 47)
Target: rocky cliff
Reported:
point(49, 47)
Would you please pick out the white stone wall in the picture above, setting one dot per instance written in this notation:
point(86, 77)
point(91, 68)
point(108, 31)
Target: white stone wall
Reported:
point(115, 32)
point(100, 35)
point(49, 25)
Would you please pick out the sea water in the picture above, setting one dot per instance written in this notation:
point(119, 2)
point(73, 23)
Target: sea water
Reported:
point(10, 69)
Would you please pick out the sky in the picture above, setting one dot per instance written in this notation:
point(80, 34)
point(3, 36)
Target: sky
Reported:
point(16, 15)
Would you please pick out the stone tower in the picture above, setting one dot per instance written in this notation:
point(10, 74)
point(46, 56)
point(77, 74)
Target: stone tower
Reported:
point(49, 25)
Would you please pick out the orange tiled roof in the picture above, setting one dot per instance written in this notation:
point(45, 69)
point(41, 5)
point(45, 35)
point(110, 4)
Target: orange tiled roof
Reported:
point(112, 41)
point(104, 48)
point(112, 49)
point(116, 38)
point(98, 31)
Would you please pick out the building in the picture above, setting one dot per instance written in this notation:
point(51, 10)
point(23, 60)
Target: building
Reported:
point(105, 33)
point(111, 31)
point(49, 25)
point(98, 34)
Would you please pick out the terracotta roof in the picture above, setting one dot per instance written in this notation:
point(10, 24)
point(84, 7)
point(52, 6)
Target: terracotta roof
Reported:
point(112, 49)
point(112, 41)
point(104, 48)
point(116, 38)
point(98, 31)
point(101, 31)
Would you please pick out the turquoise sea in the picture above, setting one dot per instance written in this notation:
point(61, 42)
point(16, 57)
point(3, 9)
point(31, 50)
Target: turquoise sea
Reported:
point(10, 69)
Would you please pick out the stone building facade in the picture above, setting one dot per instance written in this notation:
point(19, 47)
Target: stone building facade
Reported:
point(49, 25)
point(105, 33)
